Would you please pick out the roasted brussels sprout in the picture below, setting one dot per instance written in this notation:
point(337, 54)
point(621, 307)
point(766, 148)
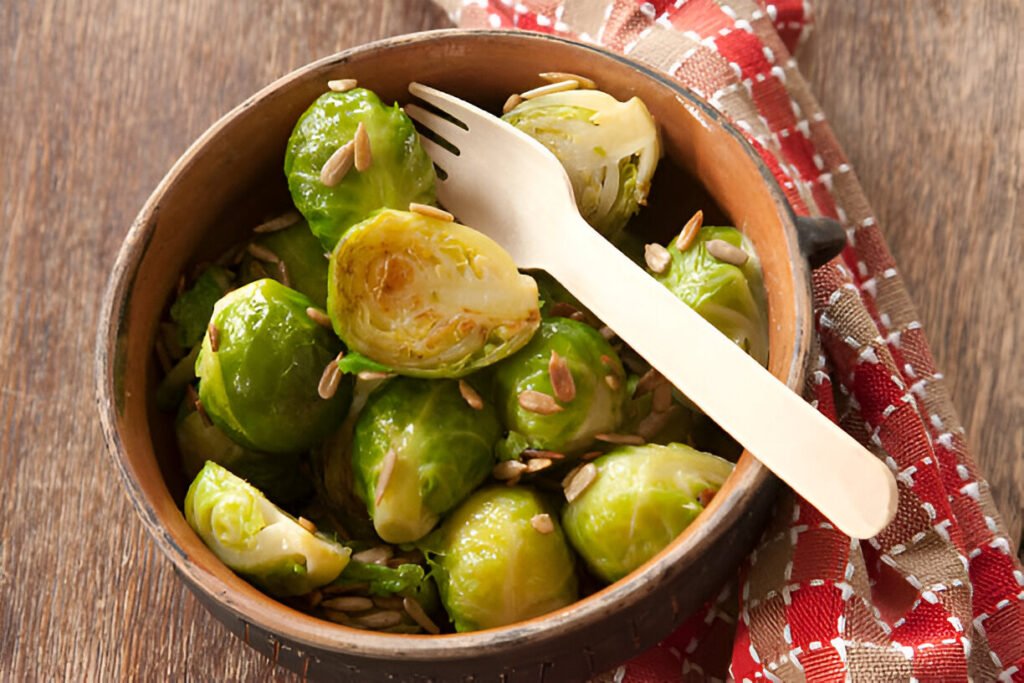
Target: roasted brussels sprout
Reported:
point(609, 149)
point(427, 297)
point(257, 539)
point(301, 265)
point(728, 295)
point(548, 413)
point(406, 580)
point(418, 450)
point(259, 378)
point(641, 499)
point(400, 171)
point(278, 475)
point(501, 558)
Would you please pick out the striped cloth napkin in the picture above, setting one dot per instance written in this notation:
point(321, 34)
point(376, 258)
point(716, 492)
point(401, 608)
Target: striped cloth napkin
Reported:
point(939, 594)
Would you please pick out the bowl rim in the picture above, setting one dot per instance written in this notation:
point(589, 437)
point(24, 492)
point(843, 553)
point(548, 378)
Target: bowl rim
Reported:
point(719, 516)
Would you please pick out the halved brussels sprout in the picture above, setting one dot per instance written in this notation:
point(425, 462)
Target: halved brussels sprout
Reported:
point(302, 258)
point(598, 379)
point(255, 538)
point(400, 171)
point(642, 498)
point(609, 149)
point(428, 298)
point(494, 567)
point(261, 384)
point(278, 475)
point(730, 297)
point(418, 450)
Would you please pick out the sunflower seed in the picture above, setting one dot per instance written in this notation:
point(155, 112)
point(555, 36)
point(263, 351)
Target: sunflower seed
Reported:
point(607, 332)
point(415, 610)
point(336, 617)
point(285, 220)
point(508, 469)
point(470, 395)
point(706, 496)
point(647, 383)
point(387, 467)
point(314, 598)
point(376, 620)
point(535, 453)
point(657, 257)
point(662, 397)
point(551, 88)
point(655, 422)
point(613, 381)
point(431, 211)
point(345, 588)
point(561, 378)
point(181, 284)
point(307, 525)
point(338, 165)
point(262, 253)
point(388, 602)
point(560, 76)
point(689, 232)
point(591, 455)
point(348, 604)
point(537, 464)
point(258, 271)
point(319, 317)
point(342, 84)
point(376, 555)
point(329, 381)
point(370, 375)
point(282, 270)
point(364, 154)
point(625, 439)
point(580, 482)
point(725, 252)
point(572, 473)
point(537, 402)
point(542, 523)
point(513, 101)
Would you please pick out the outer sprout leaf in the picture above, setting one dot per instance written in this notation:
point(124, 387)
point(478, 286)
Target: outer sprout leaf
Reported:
point(191, 311)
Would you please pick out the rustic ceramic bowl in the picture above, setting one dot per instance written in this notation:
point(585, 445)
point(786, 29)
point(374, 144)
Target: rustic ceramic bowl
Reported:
point(231, 178)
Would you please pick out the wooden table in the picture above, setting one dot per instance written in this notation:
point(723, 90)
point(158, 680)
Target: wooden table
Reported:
point(97, 99)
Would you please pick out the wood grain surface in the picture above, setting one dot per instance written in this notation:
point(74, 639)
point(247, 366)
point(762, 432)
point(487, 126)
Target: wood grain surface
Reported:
point(97, 99)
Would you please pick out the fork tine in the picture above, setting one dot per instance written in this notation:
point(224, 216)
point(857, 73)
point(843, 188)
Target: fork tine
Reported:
point(440, 126)
point(438, 153)
point(453, 106)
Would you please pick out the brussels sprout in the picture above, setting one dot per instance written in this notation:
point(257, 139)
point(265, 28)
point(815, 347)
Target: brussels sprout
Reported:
point(257, 539)
point(418, 450)
point(728, 296)
point(608, 148)
point(428, 298)
point(493, 567)
point(261, 384)
point(643, 497)
point(400, 173)
point(406, 580)
point(598, 403)
point(278, 475)
point(302, 258)
point(191, 310)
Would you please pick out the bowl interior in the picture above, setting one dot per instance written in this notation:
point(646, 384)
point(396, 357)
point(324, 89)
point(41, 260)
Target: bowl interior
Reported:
point(232, 178)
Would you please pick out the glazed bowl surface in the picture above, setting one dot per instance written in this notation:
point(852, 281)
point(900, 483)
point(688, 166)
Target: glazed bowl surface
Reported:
point(231, 178)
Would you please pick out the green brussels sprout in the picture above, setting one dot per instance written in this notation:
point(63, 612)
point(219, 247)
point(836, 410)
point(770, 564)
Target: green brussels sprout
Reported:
point(191, 310)
point(493, 567)
point(261, 384)
point(608, 148)
point(302, 258)
point(428, 298)
point(255, 538)
point(597, 406)
point(642, 498)
point(417, 451)
point(400, 173)
point(728, 296)
point(406, 580)
point(278, 475)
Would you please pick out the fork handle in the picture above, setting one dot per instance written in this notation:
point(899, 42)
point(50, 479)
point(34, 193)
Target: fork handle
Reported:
point(817, 459)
